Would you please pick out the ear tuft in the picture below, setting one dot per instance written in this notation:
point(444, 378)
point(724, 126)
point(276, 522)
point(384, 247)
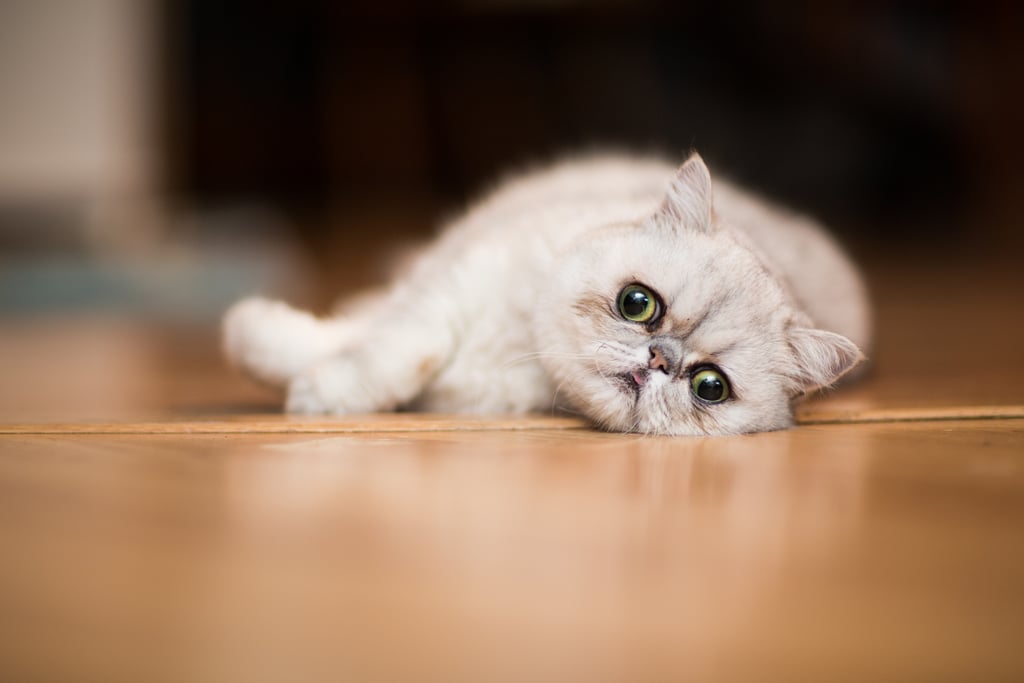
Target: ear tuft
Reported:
point(821, 357)
point(688, 200)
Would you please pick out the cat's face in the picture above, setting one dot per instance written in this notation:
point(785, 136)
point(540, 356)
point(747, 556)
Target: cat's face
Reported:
point(671, 326)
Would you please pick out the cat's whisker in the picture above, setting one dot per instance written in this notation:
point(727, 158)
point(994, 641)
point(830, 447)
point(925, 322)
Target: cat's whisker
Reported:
point(600, 370)
point(662, 410)
point(614, 348)
point(554, 402)
point(636, 424)
point(534, 355)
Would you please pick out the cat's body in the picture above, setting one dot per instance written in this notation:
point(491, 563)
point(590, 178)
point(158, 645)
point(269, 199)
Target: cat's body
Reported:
point(526, 303)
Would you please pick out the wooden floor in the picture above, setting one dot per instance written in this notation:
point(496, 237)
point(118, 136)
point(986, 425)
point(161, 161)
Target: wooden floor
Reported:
point(159, 521)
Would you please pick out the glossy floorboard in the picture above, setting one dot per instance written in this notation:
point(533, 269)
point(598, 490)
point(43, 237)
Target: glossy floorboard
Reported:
point(842, 552)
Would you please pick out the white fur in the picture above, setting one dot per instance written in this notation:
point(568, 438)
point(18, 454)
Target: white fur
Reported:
point(513, 309)
point(275, 342)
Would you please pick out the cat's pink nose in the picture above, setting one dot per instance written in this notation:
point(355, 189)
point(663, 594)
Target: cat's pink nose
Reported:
point(658, 361)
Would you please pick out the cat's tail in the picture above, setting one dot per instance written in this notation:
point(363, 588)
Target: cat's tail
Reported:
point(273, 342)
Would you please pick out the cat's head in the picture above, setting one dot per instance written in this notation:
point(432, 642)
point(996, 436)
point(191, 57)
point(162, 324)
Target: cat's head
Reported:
point(674, 325)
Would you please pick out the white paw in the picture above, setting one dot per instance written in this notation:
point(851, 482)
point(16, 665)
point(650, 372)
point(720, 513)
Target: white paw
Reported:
point(273, 341)
point(336, 387)
point(304, 398)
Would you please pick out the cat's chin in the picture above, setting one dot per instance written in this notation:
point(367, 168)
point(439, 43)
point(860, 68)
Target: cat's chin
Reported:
point(630, 384)
point(641, 406)
point(621, 402)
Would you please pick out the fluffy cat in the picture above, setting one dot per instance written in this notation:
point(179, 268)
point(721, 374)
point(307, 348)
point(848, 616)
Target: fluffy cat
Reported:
point(615, 287)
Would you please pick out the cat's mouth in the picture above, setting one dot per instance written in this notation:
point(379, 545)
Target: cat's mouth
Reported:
point(632, 382)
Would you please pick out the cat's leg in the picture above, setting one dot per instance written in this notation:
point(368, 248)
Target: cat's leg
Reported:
point(386, 369)
point(273, 342)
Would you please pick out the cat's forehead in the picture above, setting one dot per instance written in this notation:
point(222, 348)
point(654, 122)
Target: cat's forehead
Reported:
point(697, 275)
point(692, 273)
point(719, 333)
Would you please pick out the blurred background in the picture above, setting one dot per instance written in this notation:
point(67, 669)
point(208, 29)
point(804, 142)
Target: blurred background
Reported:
point(161, 158)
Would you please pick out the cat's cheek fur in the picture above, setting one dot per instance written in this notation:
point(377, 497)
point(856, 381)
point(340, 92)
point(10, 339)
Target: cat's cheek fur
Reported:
point(606, 405)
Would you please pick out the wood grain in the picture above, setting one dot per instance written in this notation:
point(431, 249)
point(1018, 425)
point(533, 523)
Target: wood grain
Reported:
point(426, 422)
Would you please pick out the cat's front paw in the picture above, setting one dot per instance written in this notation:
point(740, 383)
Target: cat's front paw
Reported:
point(332, 388)
point(304, 398)
point(272, 341)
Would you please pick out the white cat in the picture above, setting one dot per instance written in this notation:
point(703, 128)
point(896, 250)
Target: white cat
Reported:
point(613, 287)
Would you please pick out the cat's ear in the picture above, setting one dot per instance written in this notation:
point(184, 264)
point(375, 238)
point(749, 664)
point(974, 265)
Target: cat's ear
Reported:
point(688, 200)
point(821, 357)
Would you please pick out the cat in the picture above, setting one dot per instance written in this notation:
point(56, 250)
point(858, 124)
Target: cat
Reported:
point(615, 287)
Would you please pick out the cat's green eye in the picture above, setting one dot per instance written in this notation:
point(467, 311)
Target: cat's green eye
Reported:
point(710, 385)
point(638, 304)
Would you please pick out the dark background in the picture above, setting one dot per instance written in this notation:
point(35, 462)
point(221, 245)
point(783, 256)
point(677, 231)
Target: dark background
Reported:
point(894, 121)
